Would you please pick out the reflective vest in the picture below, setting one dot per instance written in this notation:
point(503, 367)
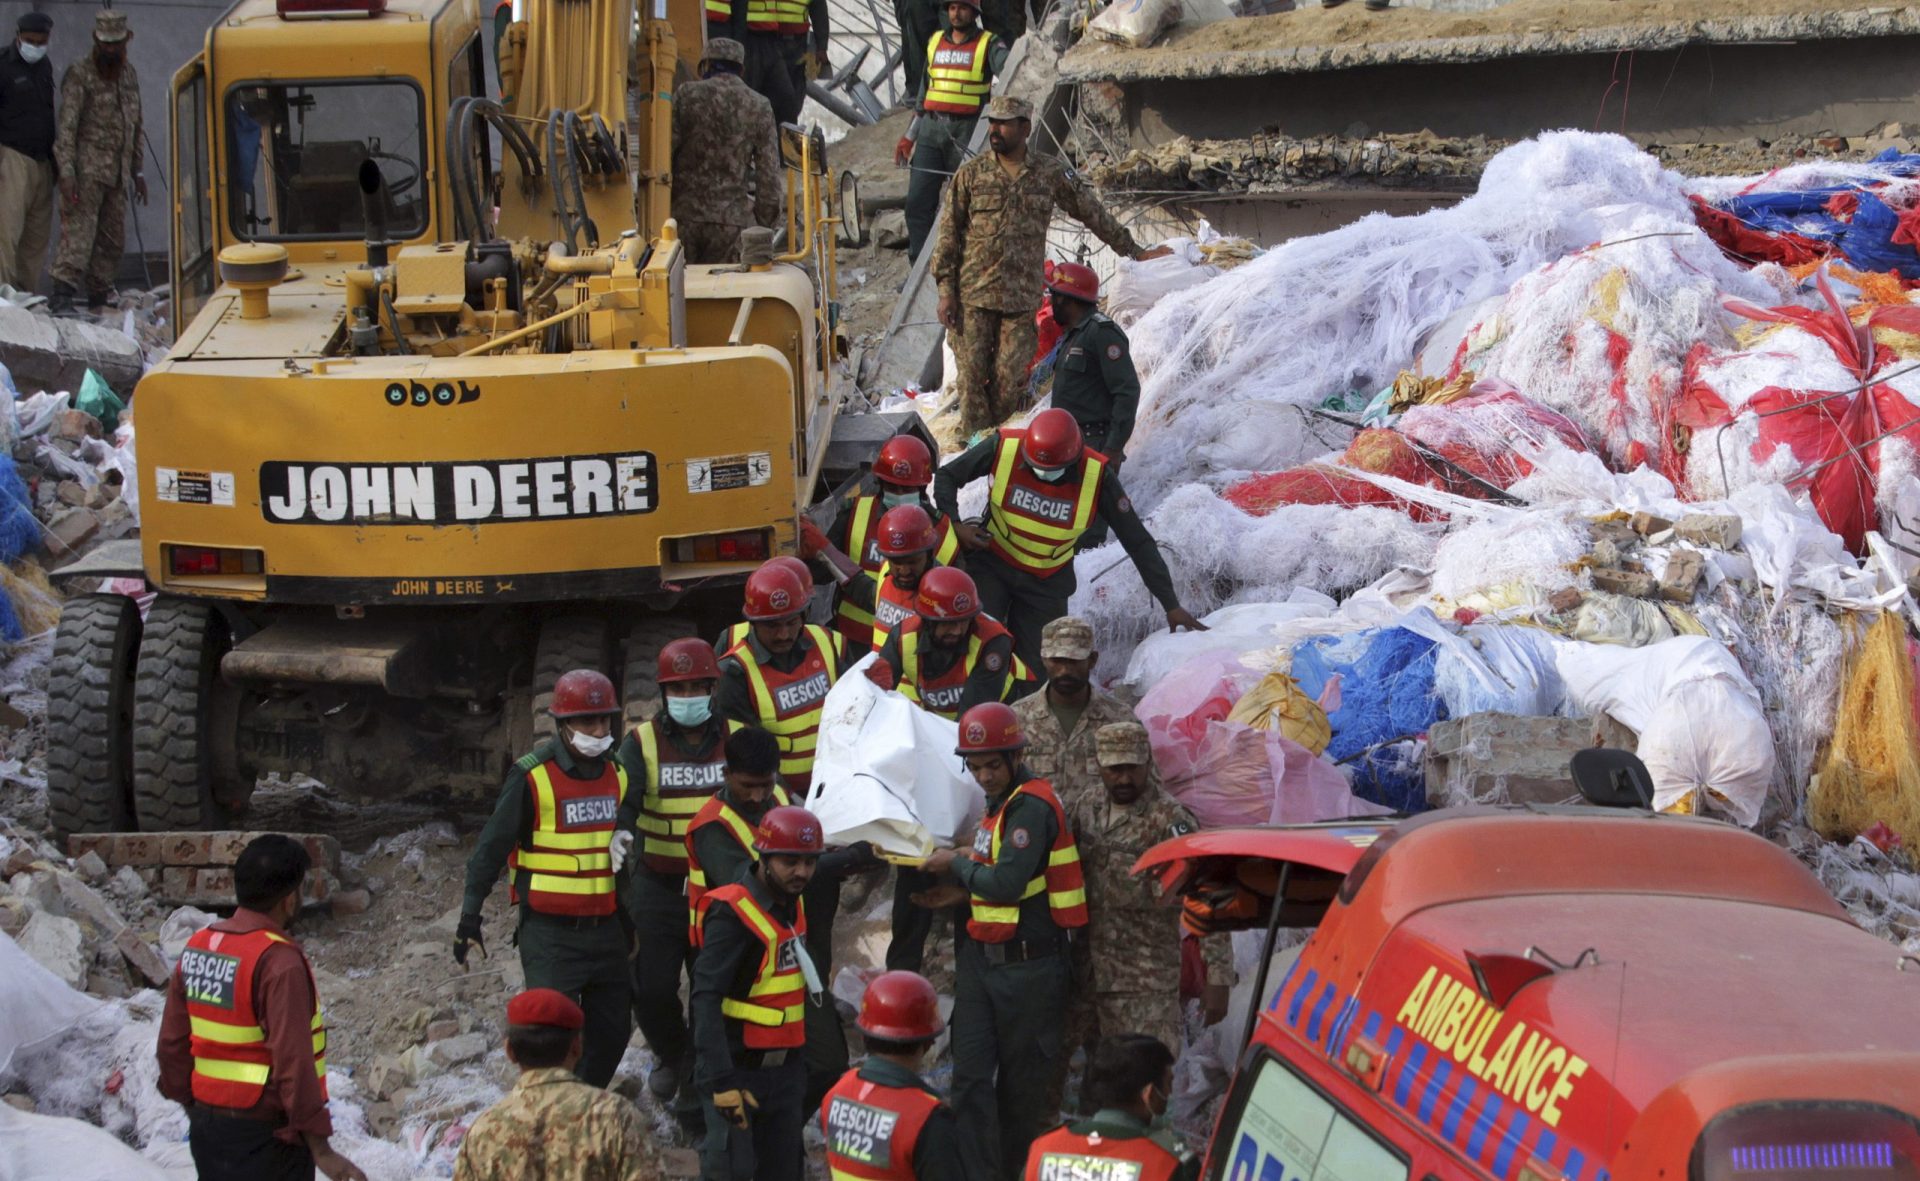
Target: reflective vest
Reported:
point(734, 636)
point(1064, 1154)
point(676, 789)
point(773, 1014)
point(891, 605)
point(855, 622)
point(568, 855)
point(871, 1130)
point(957, 81)
point(231, 1062)
point(1066, 891)
point(789, 704)
point(777, 16)
point(716, 811)
point(719, 12)
point(1034, 525)
point(941, 695)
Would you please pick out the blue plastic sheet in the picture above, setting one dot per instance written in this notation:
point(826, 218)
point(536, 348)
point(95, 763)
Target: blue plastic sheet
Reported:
point(19, 532)
point(1386, 696)
point(1866, 240)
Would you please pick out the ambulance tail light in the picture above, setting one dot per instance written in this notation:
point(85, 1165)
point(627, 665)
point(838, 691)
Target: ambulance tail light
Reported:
point(1808, 1141)
point(205, 561)
point(1367, 1061)
point(749, 545)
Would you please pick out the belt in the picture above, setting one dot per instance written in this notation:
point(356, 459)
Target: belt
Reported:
point(248, 1113)
point(1019, 951)
point(577, 922)
point(760, 1059)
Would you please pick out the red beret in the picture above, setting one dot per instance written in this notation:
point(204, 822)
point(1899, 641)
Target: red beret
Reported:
point(544, 1006)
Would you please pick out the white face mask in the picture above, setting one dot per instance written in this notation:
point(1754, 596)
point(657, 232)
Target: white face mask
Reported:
point(32, 54)
point(690, 711)
point(1050, 474)
point(590, 748)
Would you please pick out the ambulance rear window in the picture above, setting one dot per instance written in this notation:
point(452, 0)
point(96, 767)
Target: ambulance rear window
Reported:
point(1809, 1142)
point(1283, 1126)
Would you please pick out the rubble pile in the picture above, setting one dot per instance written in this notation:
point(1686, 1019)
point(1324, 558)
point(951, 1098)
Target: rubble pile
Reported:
point(1566, 463)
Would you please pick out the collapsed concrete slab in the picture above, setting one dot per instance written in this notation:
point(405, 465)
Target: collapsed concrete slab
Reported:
point(53, 353)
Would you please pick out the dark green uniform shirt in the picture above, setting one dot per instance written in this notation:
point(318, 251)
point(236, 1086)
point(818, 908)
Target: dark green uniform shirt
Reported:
point(728, 960)
point(1094, 380)
point(512, 821)
point(1114, 507)
point(988, 680)
point(936, 1154)
point(1020, 862)
point(732, 696)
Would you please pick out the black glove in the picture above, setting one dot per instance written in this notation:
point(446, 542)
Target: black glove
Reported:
point(864, 856)
point(467, 932)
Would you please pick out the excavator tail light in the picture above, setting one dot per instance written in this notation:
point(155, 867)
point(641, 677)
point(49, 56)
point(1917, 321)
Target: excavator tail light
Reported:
point(205, 561)
point(750, 545)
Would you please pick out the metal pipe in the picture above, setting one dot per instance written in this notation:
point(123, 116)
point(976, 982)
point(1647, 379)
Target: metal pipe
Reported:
point(740, 321)
point(579, 309)
point(1258, 1001)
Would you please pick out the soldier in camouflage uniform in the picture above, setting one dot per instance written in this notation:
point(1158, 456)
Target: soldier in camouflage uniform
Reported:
point(1061, 719)
point(724, 141)
point(1133, 939)
point(989, 255)
point(552, 1125)
point(97, 151)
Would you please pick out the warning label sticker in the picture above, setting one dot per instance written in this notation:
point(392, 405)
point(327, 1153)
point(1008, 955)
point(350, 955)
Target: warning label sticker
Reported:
point(723, 472)
point(178, 486)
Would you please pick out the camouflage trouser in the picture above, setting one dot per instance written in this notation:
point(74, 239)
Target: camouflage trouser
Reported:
point(93, 236)
point(992, 352)
point(1156, 1014)
point(710, 241)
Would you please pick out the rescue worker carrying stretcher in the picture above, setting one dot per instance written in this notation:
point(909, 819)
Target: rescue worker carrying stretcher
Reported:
point(902, 472)
point(676, 762)
point(883, 1122)
point(1026, 898)
point(1047, 489)
point(554, 827)
point(751, 981)
point(906, 540)
point(778, 675)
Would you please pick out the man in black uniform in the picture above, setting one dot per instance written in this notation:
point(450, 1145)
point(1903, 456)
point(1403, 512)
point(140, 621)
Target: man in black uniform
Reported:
point(1046, 491)
point(751, 981)
point(1094, 379)
point(27, 131)
point(555, 826)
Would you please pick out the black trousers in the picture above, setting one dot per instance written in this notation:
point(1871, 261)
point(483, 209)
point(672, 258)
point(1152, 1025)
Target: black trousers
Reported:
point(776, 67)
point(658, 907)
point(232, 1148)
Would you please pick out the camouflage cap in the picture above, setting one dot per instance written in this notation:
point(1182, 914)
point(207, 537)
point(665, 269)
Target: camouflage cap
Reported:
point(1123, 744)
point(110, 26)
point(725, 49)
point(1003, 107)
point(1066, 638)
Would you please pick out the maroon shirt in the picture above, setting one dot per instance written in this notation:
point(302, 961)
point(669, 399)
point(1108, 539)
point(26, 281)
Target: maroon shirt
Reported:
point(284, 999)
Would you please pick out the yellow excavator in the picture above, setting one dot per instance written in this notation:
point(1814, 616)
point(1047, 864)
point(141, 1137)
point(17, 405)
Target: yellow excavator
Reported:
point(448, 412)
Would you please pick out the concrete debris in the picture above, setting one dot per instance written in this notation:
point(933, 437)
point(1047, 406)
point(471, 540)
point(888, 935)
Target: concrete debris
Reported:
point(54, 353)
point(91, 867)
point(1714, 530)
point(1637, 583)
point(1681, 578)
point(59, 946)
point(196, 868)
point(890, 229)
point(453, 1051)
point(142, 958)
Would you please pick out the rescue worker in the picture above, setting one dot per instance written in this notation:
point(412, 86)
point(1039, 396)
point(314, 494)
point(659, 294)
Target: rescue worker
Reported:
point(962, 60)
point(737, 633)
point(554, 828)
point(720, 836)
point(989, 259)
point(676, 761)
point(97, 154)
point(1093, 379)
point(1062, 720)
point(786, 43)
point(777, 677)
point(883, 1122)
point(906, 541)
point(946, 658)
point(1046, 490)
point(902, 473)
point(1133, 942)
point(552, 1125)
point(243, 1042)
point(27, 131)
point(917, 20)
point(1026, 899)
point(724, 143)
point(751, 981)
point(1129, 1080)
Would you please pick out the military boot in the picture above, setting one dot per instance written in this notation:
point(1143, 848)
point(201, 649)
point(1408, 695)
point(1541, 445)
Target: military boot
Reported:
point(60, 303)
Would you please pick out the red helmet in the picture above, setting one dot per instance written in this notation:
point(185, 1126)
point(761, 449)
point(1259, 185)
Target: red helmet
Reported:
point(789, 830)
point(1075, 281)
point(774, 591)
point(583, 693)
point(1053, 440)
point(946, 593)
point(800, 568)
point(900, 1006)
point(905, 530)
point(687, 659)
point(904, 460)
point(989, 728)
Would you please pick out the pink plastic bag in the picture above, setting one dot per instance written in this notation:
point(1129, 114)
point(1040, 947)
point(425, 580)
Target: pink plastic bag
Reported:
point(1227, 773)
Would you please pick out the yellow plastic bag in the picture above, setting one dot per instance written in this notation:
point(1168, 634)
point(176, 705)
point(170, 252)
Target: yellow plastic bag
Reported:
point(1870, 774)
point(1277, 703)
